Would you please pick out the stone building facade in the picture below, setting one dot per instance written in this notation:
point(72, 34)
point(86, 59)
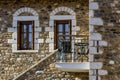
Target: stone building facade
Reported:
point(43, 12)
point(98, 19)
point(104, 21)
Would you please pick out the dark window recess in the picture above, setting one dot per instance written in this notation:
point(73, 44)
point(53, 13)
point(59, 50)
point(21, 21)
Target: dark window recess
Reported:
point(25, 37)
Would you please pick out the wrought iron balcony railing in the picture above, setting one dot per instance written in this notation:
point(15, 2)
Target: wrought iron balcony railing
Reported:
point(74, 51)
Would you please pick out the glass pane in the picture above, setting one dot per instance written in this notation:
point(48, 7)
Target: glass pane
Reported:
point(60, 28)
point(66, 27)
point(30, 27)
point(25, 28)
point(30, 40)
point(23, 40)
point(30, 37)
point(67, 38)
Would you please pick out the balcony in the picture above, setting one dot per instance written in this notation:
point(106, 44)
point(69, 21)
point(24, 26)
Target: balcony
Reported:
point(73, 57)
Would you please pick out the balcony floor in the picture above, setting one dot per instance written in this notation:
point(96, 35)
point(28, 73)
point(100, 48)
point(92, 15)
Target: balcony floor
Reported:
point(73, 66)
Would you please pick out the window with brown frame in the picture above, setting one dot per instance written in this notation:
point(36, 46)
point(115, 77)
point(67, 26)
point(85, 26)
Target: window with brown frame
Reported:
point(25, 37)
point(62, 32)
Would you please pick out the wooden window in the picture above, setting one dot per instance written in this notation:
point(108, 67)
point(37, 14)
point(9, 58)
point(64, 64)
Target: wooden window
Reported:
point(63, 32)
point(25, 37)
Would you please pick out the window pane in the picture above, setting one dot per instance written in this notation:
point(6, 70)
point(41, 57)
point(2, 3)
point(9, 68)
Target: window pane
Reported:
point(30, 40)
point(30, 27)
point(67, 38)
point(66, 27)
point(25, 28)
point(24, 40)
point(60, 28)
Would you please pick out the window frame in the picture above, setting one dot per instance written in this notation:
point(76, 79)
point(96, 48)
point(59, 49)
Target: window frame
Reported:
point(19, 47)
point(56, 22)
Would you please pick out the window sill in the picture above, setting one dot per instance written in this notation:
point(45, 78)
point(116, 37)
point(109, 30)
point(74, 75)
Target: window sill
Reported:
point(25, 51)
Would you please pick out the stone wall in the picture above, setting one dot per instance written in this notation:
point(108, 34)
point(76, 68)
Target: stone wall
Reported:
point(12, 64)
point(106, 23)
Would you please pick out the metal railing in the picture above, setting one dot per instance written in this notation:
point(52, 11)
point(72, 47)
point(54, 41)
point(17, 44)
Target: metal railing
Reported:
point(76, 51)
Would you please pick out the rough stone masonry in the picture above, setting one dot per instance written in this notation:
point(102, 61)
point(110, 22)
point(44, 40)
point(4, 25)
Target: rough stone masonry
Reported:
point(12, 61)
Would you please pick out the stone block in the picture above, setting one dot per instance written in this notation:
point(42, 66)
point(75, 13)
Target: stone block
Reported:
point(51, 35)
point(91, 72)
point(1, 44)
point(95, 36)
point(0, 19)
point(112, 4)
point(93, 50)
point(94, 78)
point(102, 72)
point(36, 40)
point(74, 23)
point(77, 28)
point(110, 24)
point(51, 23)
point(36, 23)
point(91, 28)
point(49, 40)
point(56, 10)
point(93, 6)
point(18, 59)
point(96, 21)
point(30, 59)
point(116, 2)
point(111, 62)
point(74, 33)
point(15, 23)
point(39, 29)
point(91, 13)
point(103, 43)
point(59, 9)
point(96, 65)
point(12, 29)
point(36, 35)
point(118, 11)
point(91, 43)
point(14, 35)
point(36, 46)
point(12, 41)
point(91, 58)
point(49, 28)
point(14, 47)
point(40, 40)
point(25, 18)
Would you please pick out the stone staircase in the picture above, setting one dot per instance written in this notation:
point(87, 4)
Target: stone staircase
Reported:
point(44, 66)
point(45, 70)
